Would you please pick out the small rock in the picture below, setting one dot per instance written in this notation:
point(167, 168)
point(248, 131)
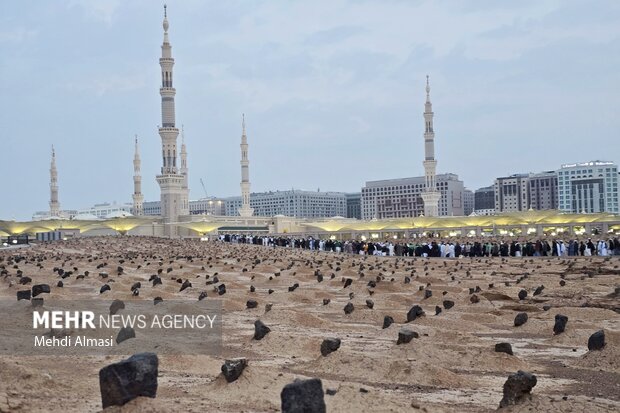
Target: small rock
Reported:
point(474, 299)
point(405, 336)
point(520, 319)
point(517, 388)
point(437, 310)
point(232, 369)
point(326, 301)
point(348, 309)
point(116, 306)
point(40, 289)
point(24, 295)
point(303, 396)
point(522, 294)
point(329, 345)
point(251, 304)
point(428, 294)
point(128, 379)
point(415, 312)
point(503, 348)
point(596, 341)
point(448, 304)
point(387, 321)
point(104, 288)
point(260, 330)
point(370, 304)
point(560, 323)
point(125, 334)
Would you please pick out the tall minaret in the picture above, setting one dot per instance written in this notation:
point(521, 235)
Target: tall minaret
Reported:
point(430, 196)
point(245, 210)
point(54, 204)
point(170, 180)
point(138, 198)
point(185, 195)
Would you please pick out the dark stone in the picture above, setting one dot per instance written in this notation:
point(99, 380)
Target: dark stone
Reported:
point(37, 302)
point(448, 304)
point(270, 291)
point(293, 287)
point(202, 296)
point(260, 330)
point(331, 392)
point(128, 379)
point(125, 334)
point(474, 299)
point(539, 290)
point(405, 335)
point(471, 290)
point(40, 289)
point(232, 369)
point(104, 288)
point(522, 294)
point(387, 321)
point(60, 284)
point(517, 388)
point(428, 294)
point(303, 396)
point(221, 289)
point(407, 280)
point(115, 306)
point(251, 304)
point(157, 300)
point(329, 345)
point(252, 289)
point(520, 319)
point(348, 282)
point(560, 323)
point(415, 312)
point(546, 307)
point(437, 310)
point(25, 280)
point(186, 284)
point(319, 278)
point(156, 281)
point(562, 283)
point(503, 348)
point(370, 304)
point(348, 309)
point(597, 341)
point(135, 286)
point(326, 301)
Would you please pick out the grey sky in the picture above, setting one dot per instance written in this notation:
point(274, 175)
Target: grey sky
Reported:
point(333, 92)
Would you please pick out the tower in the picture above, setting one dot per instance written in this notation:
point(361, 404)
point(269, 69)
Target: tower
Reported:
point(54, 204)
point(170, 180)
point(138, 198)
point(185, 194)
point(431, 195)
point(245, 210)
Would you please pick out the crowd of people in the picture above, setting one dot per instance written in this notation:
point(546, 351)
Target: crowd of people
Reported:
point(449, 248)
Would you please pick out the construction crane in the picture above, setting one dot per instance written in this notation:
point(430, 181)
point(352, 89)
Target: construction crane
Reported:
point(203, 187)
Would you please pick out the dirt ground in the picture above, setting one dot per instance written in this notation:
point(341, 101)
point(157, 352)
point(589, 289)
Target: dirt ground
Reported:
point(451, 367)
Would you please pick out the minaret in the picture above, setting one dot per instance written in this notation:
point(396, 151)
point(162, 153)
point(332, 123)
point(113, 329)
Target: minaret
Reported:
point(431, 195)
point(138, 198)
point(185, 195)
point(245, 210)
point(170, 180)
point(54, 204)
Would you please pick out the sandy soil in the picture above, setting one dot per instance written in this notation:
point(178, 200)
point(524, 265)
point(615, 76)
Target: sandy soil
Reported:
point(451, 367)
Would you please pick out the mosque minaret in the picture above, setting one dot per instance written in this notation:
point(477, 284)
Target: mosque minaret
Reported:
point(138, 198)
point(431, 195)
point(245, 210)
point(185, 193)
point(54, 204)
point(170, 180)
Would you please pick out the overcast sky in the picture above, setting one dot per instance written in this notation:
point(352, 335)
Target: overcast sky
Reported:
point(333, 92)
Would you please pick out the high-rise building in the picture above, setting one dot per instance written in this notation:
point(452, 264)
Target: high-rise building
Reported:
point(174, 201)
point(512, 193)
point(543, 190)
point(293, 203)
point(468, 202)
point(431, 195)
point(138, 199)
point(245, 210)
point(354, 205)
point(402, 198)
point(588, 187)
point(54, 204)
point(484, 199)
